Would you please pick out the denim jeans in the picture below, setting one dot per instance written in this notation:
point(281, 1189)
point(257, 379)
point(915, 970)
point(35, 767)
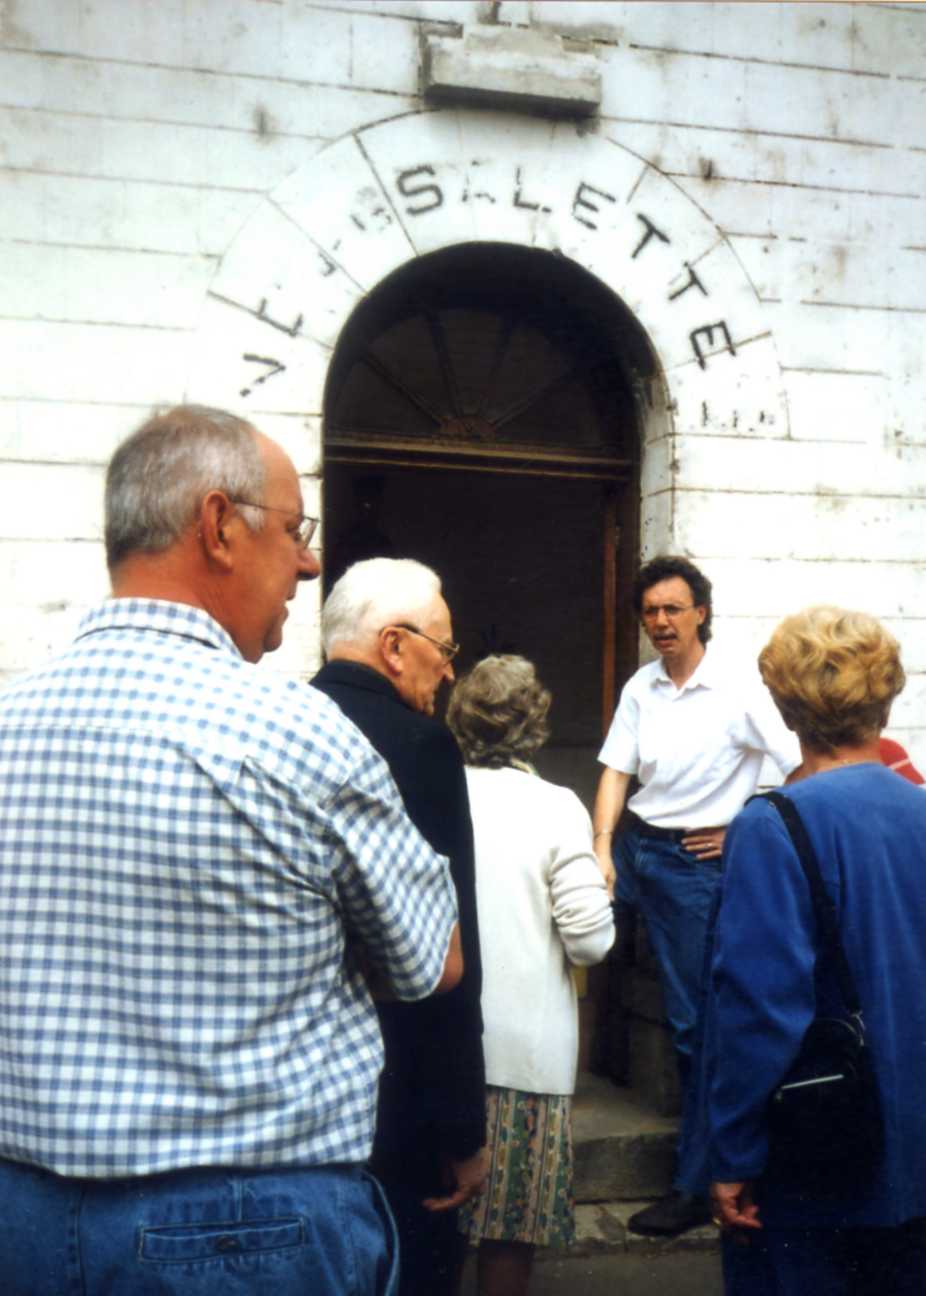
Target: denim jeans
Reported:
point(324, 1230)
point(675, 893)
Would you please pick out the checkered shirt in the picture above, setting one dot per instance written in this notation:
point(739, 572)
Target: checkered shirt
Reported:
point(191, 854)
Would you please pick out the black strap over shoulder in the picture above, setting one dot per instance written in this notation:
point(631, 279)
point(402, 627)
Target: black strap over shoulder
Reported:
point(824, 909)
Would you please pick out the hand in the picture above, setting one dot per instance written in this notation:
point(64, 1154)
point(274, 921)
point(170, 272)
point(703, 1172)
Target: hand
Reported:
point(734, 1207)
point(705, 843)
point(606, 863)
point(466, 1179)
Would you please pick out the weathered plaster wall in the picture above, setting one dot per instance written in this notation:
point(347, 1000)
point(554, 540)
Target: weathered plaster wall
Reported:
point(138, 139)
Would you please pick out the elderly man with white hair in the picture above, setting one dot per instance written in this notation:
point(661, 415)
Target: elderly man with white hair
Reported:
point(387, 634)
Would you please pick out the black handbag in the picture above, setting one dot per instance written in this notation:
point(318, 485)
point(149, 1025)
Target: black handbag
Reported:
point(824, 1119)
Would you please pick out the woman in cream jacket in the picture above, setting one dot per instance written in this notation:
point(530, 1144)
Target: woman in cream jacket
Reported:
point(543, 906)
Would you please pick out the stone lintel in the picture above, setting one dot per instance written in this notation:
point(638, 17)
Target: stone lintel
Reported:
point(505, 67)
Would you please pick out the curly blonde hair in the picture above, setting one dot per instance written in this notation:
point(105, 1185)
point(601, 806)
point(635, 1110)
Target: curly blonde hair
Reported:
point(833, 675)
point(498, 711)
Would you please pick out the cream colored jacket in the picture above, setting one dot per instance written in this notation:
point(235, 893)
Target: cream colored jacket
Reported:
point(542, 905)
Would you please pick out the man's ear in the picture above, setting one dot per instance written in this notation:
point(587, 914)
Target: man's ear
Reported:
point(390, 650)
point(216, 515)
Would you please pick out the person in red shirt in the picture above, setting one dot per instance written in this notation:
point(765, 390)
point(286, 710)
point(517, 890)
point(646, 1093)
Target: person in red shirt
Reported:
point(895, 758)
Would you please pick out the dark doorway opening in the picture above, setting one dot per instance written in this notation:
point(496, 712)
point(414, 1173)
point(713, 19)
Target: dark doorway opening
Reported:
point(484, 414)
point(521, 559)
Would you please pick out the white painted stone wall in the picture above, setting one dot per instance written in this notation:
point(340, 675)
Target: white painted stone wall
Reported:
point(137, 140)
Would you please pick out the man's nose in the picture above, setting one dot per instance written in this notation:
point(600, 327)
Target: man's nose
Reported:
point(448, 672)
point(309, 566)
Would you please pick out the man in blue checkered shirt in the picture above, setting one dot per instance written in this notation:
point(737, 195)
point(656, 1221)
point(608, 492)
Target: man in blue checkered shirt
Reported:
point(200, 870)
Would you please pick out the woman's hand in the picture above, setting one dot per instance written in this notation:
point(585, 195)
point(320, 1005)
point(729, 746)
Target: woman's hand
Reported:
point(733, 1206)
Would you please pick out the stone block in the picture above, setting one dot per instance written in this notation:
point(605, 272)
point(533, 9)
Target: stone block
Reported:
point(102, 286)
point(521, 68)
point(48, 577)
point(71, 362)
point(35, 505)
point(240, 363)
point(339, 201)
point(48, 432)
point(384, 53)
point(42, 632)
point(816, 526)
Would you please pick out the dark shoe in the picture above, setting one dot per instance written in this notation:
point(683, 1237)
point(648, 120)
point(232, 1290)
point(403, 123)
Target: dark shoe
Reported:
point(670, 1215)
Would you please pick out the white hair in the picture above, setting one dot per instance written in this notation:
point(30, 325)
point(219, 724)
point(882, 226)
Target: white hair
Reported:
point(376, 593)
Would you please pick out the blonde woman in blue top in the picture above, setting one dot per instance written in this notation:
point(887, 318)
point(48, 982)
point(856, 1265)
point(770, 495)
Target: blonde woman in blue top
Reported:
point(833, 675)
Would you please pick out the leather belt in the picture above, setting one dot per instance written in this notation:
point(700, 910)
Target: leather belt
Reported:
point(645, 829)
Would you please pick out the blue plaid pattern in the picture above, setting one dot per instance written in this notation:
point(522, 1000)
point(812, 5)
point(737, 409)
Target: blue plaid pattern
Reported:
point(191, 854)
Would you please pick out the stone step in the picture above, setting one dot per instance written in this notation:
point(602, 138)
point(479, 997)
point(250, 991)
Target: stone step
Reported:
point(601, 1229)
point(624, 1150)
point(632, 1273)
point(607, 1259)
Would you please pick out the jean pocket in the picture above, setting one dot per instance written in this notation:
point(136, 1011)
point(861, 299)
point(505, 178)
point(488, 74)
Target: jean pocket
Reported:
point(182, 1243)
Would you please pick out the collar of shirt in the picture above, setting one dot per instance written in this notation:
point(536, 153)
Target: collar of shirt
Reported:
point(161, 616)
point(704, 675)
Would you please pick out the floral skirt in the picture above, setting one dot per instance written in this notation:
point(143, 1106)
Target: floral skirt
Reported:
point(528, 1194)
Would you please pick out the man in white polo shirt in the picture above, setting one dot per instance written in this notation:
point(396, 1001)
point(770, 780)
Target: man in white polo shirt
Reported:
point(695, 733)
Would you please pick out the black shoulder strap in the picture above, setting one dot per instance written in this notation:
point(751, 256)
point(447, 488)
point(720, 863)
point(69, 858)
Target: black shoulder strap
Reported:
point(824, 909)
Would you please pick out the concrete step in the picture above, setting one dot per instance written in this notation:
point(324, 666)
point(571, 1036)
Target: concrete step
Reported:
point(677, 1272)
point(624, 1150)
point(601, 1229)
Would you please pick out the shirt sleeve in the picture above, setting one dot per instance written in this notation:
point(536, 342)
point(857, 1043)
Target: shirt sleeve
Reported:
point(396, 893)
point(581, 907)
point(621, 750)
point(767, 732)
point(762, 995)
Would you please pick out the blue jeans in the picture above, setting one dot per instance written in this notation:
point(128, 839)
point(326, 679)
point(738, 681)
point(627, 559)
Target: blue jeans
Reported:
point(675, 893)
point(828, 1262)
point(324, 1230)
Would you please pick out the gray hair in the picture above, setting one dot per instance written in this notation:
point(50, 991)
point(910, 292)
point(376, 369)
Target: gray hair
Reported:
point(375, 593)
point(159, 476)
point(498, 711)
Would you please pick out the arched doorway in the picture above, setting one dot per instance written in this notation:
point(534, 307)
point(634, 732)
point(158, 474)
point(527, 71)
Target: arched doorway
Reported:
point(620, 245)
point(480, 415)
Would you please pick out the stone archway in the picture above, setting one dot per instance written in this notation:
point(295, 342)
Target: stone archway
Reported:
point(387, 193)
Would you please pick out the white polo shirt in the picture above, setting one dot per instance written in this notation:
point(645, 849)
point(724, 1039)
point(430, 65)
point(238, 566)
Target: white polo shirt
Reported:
point(697, 750)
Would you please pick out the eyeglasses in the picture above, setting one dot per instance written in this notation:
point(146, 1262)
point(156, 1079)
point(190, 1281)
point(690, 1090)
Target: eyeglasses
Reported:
point(302, 534)
point(672, 610)
point(448, 649)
